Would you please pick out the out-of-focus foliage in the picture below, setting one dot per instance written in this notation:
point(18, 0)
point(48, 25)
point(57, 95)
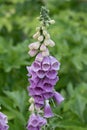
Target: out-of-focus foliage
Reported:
point(17, 25)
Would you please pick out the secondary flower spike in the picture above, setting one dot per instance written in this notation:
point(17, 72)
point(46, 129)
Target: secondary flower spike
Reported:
point(3, 122)
point(42, 75)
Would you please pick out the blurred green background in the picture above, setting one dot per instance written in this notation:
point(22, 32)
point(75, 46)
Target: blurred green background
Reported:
point(18, 19)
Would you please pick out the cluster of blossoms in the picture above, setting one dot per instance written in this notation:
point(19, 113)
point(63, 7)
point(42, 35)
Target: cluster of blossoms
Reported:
point(42, 76)
point(3, 122)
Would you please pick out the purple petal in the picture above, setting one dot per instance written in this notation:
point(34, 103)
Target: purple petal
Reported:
point(33, 81)
point(41, 74)
point(42, 121)
point(48, 87)
point(36, 66)
point(47, 110)
point(38, 98)
point(33, 121)
point(46, 64)
point(39, 57)
point(54, 81)
point(58, 97)
point(51, 74)
point(3, 122)
point(31, 91)
point(33, 74)
point(54, 63)
point(38, 90)
point(39, 104)
point(48, 95)
point(29, 70)
point(33, 128)
point(40, 83)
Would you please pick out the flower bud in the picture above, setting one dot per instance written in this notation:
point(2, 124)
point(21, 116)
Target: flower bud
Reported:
point(32, 52)
point(52, 43)
point(40, 38)
point(36, 35)
point(45, 32)
point(43, 47)
point(31, 100)
point(31, 108)
point(48, 36)
point(47, 42)
point(34, 45)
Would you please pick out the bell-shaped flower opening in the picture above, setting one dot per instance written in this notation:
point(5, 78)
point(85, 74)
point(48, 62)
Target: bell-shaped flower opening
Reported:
point(54, 81)
point(33, 121)
point(36, 66)
point(58, 97)
point(39, 104)
point(31, 90)
point(48, 95)
point(32, 83)
point(38, 98)
point(46, 64)
point(41, 74)
point(47, 110)
point(48, 87)
point(55, 65)
point(51, 74)
point(38, 90)
point(42, 121)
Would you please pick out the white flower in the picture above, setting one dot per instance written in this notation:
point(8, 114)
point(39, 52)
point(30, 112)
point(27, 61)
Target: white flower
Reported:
point(43, 47)
point(48, 36)
point(36, 35)
point(31, 100)
point(40, 38)
point(32, 52)
point(31, 108)
point(45, 32)
point(46, 42)
point(34, 45)
point(49, 42)
point(52, 43)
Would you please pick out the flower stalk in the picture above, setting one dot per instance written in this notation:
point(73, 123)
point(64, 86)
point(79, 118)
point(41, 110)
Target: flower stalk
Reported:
point(43, 75)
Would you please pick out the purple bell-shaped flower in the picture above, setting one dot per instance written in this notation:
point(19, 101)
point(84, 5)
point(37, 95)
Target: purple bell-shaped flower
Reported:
point(47, 110)
point(58, 97)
